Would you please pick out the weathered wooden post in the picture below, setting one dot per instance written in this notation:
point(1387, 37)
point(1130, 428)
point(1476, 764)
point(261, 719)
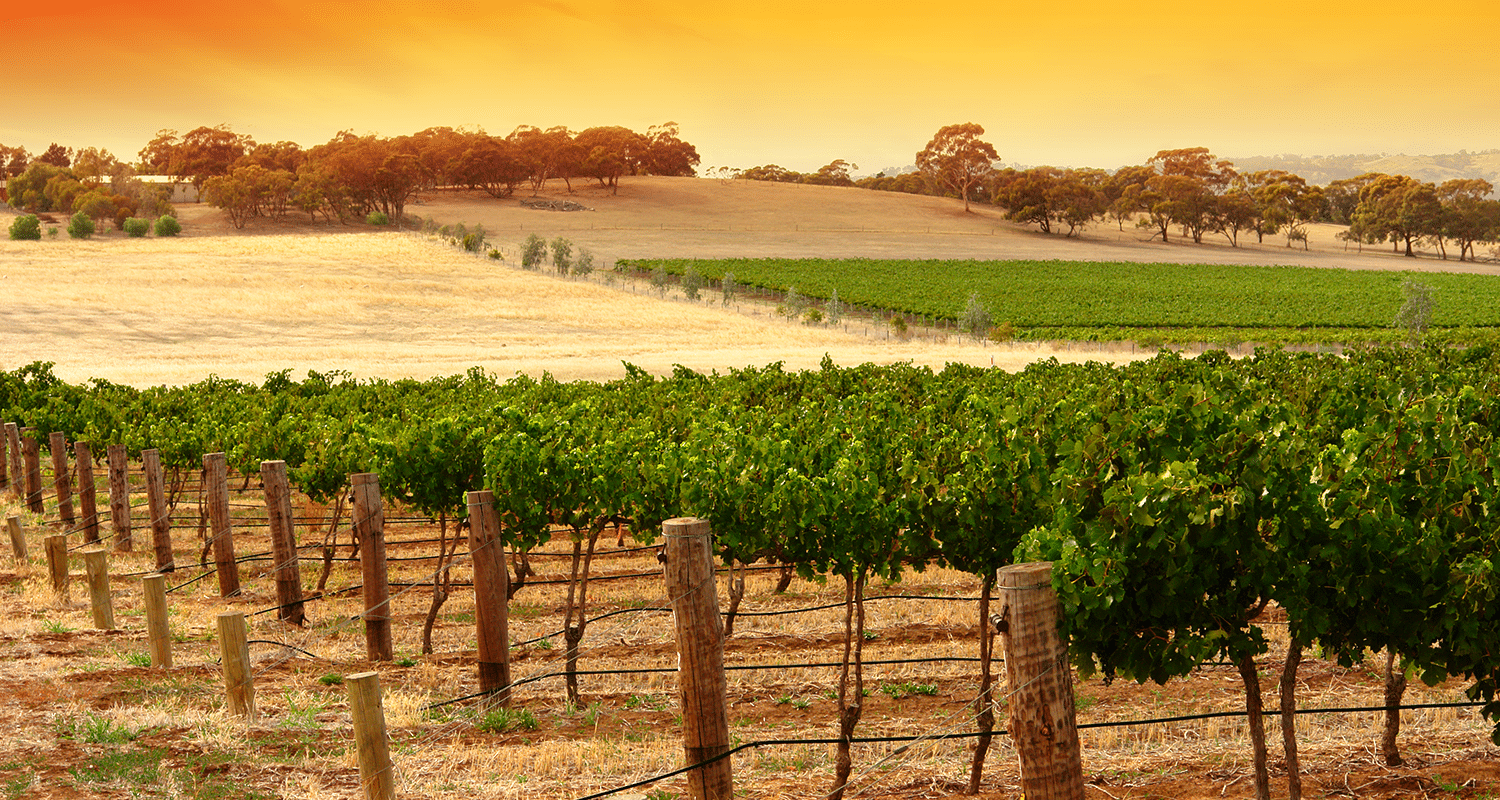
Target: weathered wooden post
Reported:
point(5, 455)
point(1043, 722)
point(234, 654)
point(88, 500)
point(375, 774)
point(154, 587)
point(119, 495)
point(32, 456)
point(96, 565)
point(57, 563)
point(369, 527)
point(161, 518)
point(62, 478)
point(17, 538)
point(283, 542)
point(15, 460)
point(216, 489)
point(700, 655)
point(491, 595)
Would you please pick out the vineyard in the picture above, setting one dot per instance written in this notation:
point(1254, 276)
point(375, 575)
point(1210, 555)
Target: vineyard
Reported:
point(1287, 521)
point(1088, 300)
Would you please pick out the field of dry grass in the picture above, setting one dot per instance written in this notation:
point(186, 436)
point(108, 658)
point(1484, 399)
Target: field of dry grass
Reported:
point(92, 718)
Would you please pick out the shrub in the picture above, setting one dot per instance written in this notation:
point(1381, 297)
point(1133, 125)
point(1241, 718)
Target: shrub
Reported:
point(494, 254)
point(728, 287)
point(976, 319)
point(813, 316)
point(898, 324)
point(533, 251)
point(835, 308)
point(793, 304)
point(473, 241)
point(562, 255)
point(377, 218)
point(659, 279)
point(135, 227)
point(52, 231)
point(26, 226)
point(585, 263)
point(168, 226)
point(1003, 332)
point(504, 720)
point(692, 283)
point(81, 226)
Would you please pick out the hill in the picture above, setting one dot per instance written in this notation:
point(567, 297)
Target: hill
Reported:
point(1434, 169)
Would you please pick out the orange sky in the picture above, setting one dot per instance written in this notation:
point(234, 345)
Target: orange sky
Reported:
point(1084, 83)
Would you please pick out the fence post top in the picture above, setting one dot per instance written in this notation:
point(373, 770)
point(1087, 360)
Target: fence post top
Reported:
point(230, 614)
point(685, 526)
point(362, 676)
point(1017, 576)
point(362, 478)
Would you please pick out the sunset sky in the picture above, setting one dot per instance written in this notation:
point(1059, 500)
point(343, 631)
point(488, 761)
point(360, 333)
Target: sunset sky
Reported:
point(1084, 83)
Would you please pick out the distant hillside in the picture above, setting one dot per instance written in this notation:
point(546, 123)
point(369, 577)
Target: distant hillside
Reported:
point(1325, 169)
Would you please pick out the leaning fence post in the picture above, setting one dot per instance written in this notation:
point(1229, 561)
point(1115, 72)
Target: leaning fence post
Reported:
point(154, 587)
point(32, 456)
point(161, 519)
point(62, 478)
point(57, 563)
point(369, 736)
point(1043, 722)
point(491, 595)
point(700, 655)
point(216, 489)
point(96, 566)
point(234, 654)
point(17, 538)
point(119, 495)
point(88, 500)
point(283, 542)
point(369, 527)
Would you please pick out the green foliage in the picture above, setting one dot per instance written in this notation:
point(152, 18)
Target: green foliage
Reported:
point(167, 225)
point(692, 283)
point(377, 218)
point(727, 288)
point(137, 767)
point(533, 252)
point(792, 303)
point(976, 321)
point(505, 720)
point(562, 255)
point(901, 691)
point(80, 226)
point(585, 263)
point(660, 278)
point(835, 308)
point(137, 659)
point(331, 679)
point(26, 227)
point(135, 227)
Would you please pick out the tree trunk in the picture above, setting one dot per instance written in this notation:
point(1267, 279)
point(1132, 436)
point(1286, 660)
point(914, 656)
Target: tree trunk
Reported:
point(784, 579)
point(986, 717)
point(577, 614)
point(736, 594)
point(1254, 716)
point(1395, 688)
point(1289, 720)
point(442, 580)
point(849, 709)
point(523, 569)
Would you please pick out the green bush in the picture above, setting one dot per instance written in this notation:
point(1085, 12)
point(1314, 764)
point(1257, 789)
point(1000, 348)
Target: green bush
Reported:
point(585, 263)
point(533, 252)
point(26, 227)
point(135, 227)
point(562, 255)
point(81, 226)
point(168, 226)
point(692, 283)
point(377, 218)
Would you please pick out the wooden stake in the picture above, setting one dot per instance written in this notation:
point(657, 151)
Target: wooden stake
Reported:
point(32, 456)
point(14, 460)
point(234, 654)
point(62, 479)
point(491, 590)
point(119, 496)
point(17, 539)
point(700, 655)
point(96, 564)
point(369, 527)
point(88, 500)
point(5, 453)
point(216, 489)
point(283, 542)
point(375, 775)
point(155, 589)
point(57, 563)
point(1043, 723)
point(161, 519)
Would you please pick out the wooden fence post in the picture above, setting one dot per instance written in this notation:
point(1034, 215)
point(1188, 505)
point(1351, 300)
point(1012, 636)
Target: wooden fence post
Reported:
point(5, 455)
point(161, 518)
point(32, 456)
point(234, 653)
point(283, 542)
point(17, 538)
point(157, 631)
point(375, 775)
point(491, 595)
point(369, 527)
point(1043, 723)
point(57, 563)
point(88, 500)
point(97, 566)
point(119, 496)
point(700, 655)
point(62, 478)
point(14, 460)
point(216, 489)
